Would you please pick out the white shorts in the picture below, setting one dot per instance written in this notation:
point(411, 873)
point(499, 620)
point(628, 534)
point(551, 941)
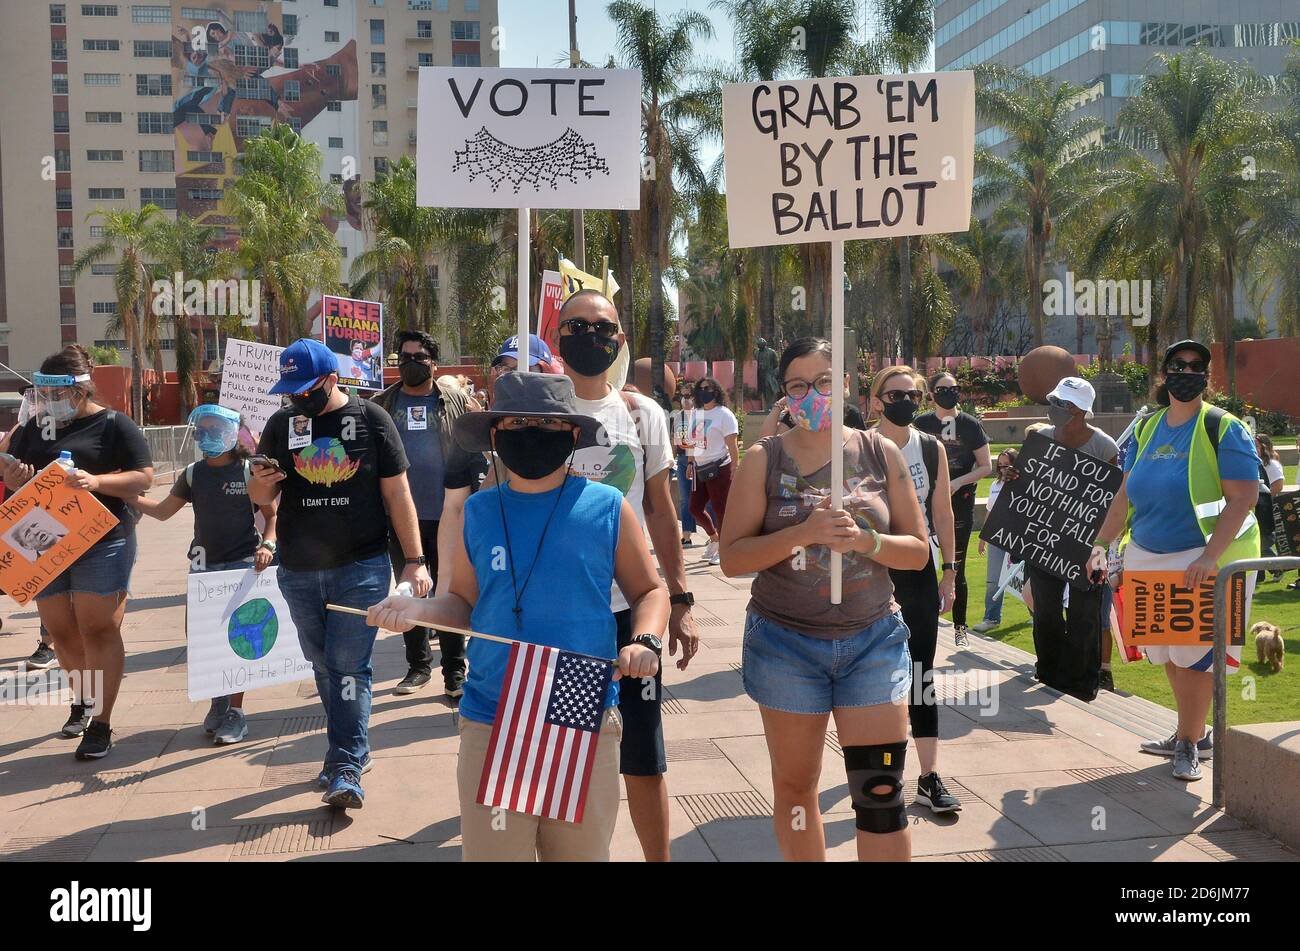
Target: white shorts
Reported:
point(1192, 657)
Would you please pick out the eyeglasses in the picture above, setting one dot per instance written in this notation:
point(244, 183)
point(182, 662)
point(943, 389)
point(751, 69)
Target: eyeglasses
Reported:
point(498, 368)
point(403, 358)
point(539, 422)
point(947, 391)
point(576, 327)
point(897, 396)
point(797, 389)
point(1185, 366)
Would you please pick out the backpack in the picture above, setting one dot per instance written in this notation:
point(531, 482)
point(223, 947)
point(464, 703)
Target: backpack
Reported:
point(1213, 421)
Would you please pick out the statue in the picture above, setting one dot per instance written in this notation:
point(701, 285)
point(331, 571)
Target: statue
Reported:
point(769, 387)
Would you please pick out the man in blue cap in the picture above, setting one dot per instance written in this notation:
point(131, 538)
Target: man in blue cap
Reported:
point(540, 358)
point(337, 466)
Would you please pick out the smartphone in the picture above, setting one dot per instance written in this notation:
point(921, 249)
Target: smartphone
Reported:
point(266, 461)
point(7, 459)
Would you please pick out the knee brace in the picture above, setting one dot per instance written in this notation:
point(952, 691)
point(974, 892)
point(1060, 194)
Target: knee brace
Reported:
point(868, 767)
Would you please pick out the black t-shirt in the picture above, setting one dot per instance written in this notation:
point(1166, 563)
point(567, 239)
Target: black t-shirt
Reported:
point(960, 440)
point(331, 510)
point(101, 443)
point(224, 529)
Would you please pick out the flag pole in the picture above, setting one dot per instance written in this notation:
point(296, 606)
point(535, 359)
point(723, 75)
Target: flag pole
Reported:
point(524, 294)
point(837, 406)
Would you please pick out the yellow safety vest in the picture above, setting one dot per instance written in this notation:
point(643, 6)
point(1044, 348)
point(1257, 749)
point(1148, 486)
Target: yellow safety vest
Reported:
point(1204, 484)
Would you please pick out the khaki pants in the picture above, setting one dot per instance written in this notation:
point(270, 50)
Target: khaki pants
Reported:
point(496, 835)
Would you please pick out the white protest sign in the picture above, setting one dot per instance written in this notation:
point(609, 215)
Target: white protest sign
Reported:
point(849, 157)
point(248, 372)
point(529, 138)
point(240, 634)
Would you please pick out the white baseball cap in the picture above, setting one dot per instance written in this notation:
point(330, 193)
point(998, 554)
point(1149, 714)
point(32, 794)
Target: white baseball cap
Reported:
point(1076, 390)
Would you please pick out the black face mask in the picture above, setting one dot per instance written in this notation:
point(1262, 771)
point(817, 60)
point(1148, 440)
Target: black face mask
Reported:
point(902, 413)
point(947, 400)
point(704, 396)
point(588, 354)
point(311, 403)
point(533, 453)
point(1185, 387)
point(415, 374)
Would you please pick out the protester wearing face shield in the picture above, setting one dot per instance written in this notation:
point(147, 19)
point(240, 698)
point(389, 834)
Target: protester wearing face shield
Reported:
point(563, 536)
point(83, 606)
point(337, 465)
point(1186, 504)
point(225, 530)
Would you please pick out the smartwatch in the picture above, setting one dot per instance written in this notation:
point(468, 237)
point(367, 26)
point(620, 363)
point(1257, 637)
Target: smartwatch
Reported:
point(685, 598)
point(948, 566)
point(418, 560)
point(650, 641)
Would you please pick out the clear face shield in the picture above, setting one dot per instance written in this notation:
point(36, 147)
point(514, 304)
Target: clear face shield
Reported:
point(216, 429)
point(57, 396)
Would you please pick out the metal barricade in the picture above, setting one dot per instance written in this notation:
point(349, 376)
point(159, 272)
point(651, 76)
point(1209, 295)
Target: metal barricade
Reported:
point(1221, 609)
point(171, 449)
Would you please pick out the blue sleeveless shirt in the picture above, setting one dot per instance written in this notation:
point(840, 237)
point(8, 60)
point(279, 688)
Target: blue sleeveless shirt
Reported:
point(566, 603)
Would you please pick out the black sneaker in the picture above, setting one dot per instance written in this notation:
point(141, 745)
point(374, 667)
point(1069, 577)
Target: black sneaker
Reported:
point(960, 638)
point(454, 684)
point(413, 681)
point(43, 658)
point(78, 720)
point(1106, 681)
point(97, 741)
point(930, 791)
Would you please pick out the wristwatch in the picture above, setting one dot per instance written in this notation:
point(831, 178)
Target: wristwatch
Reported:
point(418, 560)
point(650, 641)
point(685, 598)
point(948, 566)
point(269, 545)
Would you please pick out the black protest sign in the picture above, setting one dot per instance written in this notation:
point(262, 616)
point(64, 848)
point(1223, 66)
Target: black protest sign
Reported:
point(1286, 523)
point(1051, 514)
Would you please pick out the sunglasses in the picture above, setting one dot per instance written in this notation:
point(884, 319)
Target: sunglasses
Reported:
point(413, 358)
point(947, 390)
point(897, 396)
point(576, 327)
point(1185, 366)
point(528, 422)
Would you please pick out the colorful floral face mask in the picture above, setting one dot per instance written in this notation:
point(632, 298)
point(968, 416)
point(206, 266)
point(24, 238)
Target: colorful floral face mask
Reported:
point(813, 412)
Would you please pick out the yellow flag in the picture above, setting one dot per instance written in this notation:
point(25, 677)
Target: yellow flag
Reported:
point(572, 280)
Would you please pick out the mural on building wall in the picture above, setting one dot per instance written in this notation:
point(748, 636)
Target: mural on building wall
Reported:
point(236, 73)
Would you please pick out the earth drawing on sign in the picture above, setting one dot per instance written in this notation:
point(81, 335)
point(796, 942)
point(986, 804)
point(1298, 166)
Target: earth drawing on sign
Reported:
point(253, 629)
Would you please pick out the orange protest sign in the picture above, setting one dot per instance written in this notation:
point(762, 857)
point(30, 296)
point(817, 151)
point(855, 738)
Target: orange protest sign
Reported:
point(44, 527)
point(1160, 611)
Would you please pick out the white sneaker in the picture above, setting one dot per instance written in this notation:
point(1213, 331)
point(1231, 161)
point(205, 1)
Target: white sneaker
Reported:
point(711, 553)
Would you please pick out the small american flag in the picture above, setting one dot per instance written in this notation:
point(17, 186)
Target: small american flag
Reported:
point(544, 738)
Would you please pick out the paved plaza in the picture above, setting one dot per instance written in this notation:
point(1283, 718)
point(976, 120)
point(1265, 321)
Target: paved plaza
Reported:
point(1041, 778)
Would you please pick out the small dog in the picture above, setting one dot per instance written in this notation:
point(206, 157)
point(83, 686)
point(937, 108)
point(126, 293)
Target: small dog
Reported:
point(1269, 646)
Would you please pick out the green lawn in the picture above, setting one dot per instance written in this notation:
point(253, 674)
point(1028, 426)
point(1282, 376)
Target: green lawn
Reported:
point(1277, 696)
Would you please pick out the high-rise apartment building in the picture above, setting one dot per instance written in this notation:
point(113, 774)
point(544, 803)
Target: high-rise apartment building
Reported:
point(153, 102)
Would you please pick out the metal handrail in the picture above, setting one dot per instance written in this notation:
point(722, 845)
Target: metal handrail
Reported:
point(1221, 582)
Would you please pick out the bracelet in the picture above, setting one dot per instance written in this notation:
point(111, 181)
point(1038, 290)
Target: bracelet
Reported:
point(880, 540)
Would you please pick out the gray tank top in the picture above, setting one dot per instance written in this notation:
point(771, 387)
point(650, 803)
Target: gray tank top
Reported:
point(796, 591)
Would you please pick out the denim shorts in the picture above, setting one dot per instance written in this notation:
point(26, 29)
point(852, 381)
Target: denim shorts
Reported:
point(104, 569)
point(791, 672)
point(239, 565)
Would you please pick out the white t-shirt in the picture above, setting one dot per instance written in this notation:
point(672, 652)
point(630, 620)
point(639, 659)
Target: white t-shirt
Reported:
point(916, 469)
point(1273, 470)
point(625, 462)
point(707, 431)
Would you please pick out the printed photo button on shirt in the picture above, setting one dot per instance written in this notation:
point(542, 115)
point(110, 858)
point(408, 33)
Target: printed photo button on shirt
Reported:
point(417, 417)
point(299, 432)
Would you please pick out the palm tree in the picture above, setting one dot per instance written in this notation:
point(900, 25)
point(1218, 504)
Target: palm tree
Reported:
point(904, 31)
point(183, 246)
point(1051, 154)
point(998, 276)
point(663, 50)
point(404, 237)
point(280, 204)
point(126, 233)
point(1275, 245)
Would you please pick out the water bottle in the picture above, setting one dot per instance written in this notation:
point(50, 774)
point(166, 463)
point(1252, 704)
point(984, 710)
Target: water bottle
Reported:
point(65, 460)
point(404, 589)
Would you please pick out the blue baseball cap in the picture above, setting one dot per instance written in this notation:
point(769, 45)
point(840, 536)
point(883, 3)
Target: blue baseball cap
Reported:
point(302, 363)
point(538, 351)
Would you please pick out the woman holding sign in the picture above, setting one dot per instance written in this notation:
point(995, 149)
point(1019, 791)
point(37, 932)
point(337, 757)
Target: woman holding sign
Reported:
point(82, 607)
point(1186, 504)
point(896, 394)
point(806, 658)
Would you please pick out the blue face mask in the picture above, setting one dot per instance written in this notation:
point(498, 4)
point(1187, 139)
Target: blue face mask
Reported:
point(215, 442)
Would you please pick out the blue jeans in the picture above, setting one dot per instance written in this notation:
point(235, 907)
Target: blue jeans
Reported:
point(684, 493)
point(339, 646)
point(993, 575)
